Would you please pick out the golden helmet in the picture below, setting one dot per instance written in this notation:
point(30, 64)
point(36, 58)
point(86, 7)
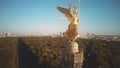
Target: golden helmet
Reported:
point(75, 11)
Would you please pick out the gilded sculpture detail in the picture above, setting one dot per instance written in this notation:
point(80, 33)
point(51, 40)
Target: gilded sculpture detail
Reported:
point(72, 31)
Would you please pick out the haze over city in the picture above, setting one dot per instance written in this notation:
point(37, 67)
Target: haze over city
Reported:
point(42, 16)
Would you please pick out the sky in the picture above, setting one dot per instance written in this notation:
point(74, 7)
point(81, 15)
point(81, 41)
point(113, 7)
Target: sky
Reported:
point(42, 17)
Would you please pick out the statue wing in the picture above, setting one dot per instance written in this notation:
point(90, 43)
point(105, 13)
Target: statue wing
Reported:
point(67, 12)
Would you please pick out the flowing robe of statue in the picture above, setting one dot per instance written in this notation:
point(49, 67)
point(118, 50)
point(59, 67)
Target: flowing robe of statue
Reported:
point(72, 31)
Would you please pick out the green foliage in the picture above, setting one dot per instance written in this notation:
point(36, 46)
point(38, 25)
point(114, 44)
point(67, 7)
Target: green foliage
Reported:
point(98, 53)
point(50, 52)
point(47, 49)
point(8, 52)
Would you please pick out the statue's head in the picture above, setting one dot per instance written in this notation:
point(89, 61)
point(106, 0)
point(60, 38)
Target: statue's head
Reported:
point(75, 11)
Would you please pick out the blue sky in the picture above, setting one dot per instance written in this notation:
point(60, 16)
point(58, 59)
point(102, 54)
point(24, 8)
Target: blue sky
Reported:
point(42, 16)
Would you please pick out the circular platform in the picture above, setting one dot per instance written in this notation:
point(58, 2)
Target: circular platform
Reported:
point(73, 47)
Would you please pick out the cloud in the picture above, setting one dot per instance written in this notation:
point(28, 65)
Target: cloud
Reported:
point(62, 18)
point(81, 20)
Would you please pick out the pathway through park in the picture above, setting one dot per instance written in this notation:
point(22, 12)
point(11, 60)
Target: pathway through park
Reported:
point(26, 58)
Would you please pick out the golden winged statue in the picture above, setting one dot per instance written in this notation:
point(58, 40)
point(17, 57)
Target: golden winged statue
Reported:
point(72, 31)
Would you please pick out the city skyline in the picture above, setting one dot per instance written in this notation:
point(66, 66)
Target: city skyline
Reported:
point(42, 17)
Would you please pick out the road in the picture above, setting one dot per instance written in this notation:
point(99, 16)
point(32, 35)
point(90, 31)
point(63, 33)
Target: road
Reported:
point(26, 58)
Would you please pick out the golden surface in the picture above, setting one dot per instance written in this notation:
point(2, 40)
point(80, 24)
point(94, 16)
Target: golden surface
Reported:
point(72, 31)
